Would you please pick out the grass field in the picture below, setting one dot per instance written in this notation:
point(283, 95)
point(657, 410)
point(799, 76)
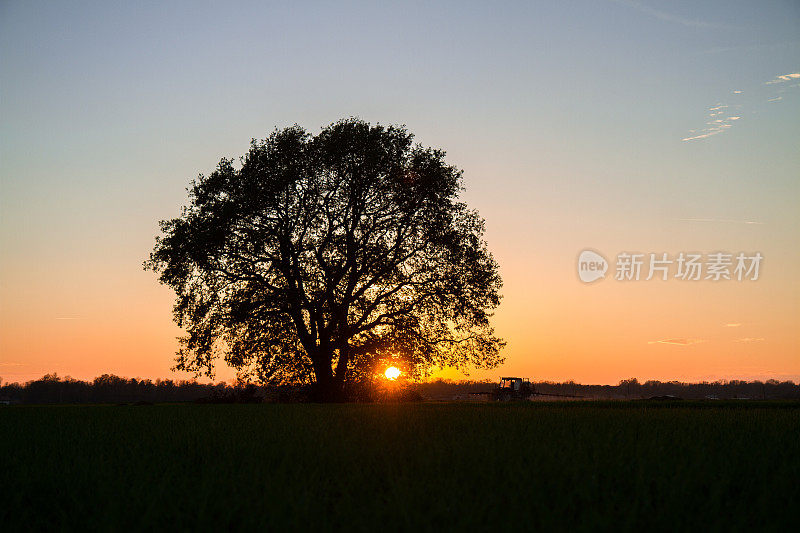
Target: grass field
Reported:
point(556, 466)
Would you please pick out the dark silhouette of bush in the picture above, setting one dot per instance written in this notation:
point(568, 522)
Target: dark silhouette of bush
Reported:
point(239, 394)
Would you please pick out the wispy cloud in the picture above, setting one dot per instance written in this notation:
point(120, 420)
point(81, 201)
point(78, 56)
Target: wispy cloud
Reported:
point(678, 342)
point(750, 339)
point(669, 17)
point(721, 116)
point(749, 47)
point(733, 325)
point(726, 220)
point(718, 120)
point(702, 136)
point(68, 318)
point(782, 78)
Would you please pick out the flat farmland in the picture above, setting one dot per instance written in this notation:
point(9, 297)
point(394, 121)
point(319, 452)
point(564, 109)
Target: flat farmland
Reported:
point(418, 466)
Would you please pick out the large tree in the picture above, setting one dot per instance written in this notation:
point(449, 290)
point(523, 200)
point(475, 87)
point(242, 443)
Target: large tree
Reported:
point(320, 258)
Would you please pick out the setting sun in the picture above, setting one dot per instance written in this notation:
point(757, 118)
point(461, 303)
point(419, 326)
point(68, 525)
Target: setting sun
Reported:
point(392, 373)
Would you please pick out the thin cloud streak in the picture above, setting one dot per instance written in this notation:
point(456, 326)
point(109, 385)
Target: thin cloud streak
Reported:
point(749, 47)
point(726, 220)
point(703, 136)
point(668, 17)
point(678, 342)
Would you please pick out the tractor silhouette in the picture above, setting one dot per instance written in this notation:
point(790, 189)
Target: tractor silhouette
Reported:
point(512, 388)
point(515, 389)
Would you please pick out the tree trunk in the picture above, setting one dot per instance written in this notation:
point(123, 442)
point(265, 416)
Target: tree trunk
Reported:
point(327, 387)
point(329, 390)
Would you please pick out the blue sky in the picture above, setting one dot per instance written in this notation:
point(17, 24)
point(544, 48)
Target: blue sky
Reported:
point(568, 118)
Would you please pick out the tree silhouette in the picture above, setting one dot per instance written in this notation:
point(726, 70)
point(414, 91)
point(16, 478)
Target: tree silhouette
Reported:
point(320, 257)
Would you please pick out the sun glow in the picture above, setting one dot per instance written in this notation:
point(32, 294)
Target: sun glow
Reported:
point(392, 373)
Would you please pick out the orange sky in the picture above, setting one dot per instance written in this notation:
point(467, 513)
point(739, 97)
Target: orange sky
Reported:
point(118, 319)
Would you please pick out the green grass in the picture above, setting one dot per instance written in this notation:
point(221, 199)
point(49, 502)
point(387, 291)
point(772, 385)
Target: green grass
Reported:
point(565, 466)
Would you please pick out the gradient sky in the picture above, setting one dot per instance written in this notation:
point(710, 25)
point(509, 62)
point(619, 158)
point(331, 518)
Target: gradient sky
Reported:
point(573, 122)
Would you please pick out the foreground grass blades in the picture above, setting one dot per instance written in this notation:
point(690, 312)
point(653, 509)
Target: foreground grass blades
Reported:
point(585, 465)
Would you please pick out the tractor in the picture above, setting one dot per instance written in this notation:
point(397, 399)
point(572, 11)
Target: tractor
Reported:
point(513, 389)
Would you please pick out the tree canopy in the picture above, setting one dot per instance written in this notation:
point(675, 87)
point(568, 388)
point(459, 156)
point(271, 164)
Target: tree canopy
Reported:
point(320, 258)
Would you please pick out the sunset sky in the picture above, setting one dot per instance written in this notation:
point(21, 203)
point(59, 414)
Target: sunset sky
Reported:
point(615, 126)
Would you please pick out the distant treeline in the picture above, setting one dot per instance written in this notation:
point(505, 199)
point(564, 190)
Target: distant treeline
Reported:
point(105, 389)
point(114, 389)
point(628, 389)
